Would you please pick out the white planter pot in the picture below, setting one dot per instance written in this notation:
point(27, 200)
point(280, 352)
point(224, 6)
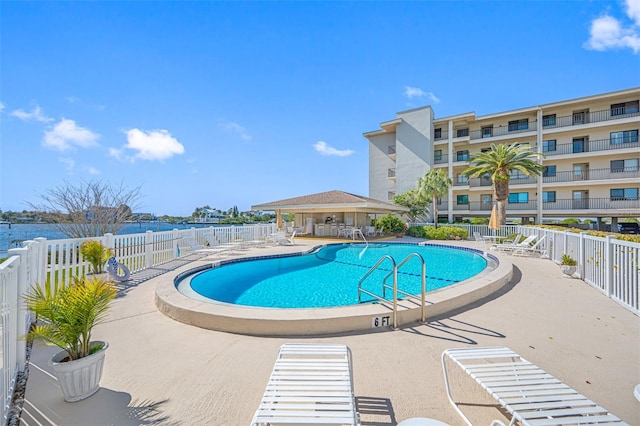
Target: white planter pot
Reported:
point(79, 379)
point(569, 270)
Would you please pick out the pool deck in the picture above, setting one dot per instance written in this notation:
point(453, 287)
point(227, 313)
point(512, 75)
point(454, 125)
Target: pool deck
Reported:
point(160, 371)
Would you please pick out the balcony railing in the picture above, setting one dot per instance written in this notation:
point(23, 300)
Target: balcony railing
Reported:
point(594, 174)
point(503, 130)
point(595, 145)
point(444, 159)
point(481, 182)
point(579, 118)
point(444, 134)
point(562, 204)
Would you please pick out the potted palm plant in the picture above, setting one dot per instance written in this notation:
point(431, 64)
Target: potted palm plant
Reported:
point(568, 264)
point(96, 254)
point(65, 317)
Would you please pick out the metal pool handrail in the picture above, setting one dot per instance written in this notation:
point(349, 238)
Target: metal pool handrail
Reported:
point(375, 296)
point(423, 288)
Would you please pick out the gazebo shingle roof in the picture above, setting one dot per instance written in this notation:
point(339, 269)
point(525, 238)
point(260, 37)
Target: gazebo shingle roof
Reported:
point(329, 198)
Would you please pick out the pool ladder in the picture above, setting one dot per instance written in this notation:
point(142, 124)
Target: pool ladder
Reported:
point(394, 287)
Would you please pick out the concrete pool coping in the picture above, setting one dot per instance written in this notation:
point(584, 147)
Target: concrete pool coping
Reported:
point(322, 321)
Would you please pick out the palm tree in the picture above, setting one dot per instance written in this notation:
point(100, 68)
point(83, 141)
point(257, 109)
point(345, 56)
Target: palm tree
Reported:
point(499, 162)
point(431, 186)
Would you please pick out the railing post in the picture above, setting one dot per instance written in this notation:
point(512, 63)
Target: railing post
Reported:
point(395, 297)
point(148, 249)
point(21, 306)
point(608, 261)
point(176, 247)
point(582, 256)
point(43, 260)
point(108, 241)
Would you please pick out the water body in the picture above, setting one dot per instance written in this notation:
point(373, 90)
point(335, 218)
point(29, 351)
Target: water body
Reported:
point(11, 236)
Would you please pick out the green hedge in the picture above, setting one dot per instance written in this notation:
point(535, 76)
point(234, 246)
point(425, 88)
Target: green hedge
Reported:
point(440, 233)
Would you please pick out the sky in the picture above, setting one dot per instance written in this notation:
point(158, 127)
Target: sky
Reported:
point(240, 103)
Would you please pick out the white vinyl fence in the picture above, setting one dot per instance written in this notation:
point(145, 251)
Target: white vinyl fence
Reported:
point(53, 262)
point(608, 264)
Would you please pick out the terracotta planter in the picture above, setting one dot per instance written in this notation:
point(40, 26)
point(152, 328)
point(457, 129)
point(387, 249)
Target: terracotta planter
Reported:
point(79, 379)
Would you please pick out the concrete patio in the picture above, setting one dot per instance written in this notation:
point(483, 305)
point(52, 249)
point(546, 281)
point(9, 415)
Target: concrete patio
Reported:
point(159, 371)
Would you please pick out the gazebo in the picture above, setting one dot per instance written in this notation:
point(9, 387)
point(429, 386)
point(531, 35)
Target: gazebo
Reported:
point(320, 214)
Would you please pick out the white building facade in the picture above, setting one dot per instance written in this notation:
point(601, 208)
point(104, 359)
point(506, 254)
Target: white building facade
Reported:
point(591, 161)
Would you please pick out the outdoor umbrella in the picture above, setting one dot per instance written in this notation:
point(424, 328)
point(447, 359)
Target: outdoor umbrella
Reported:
point(493, 220)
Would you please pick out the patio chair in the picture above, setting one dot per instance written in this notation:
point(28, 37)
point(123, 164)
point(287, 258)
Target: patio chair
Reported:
point(528, 393)
point(281, 238)
point(311, 383)
point(480, 238)
point(514, 246)
point(380, 231)
point(199, 248)
point(528, 251)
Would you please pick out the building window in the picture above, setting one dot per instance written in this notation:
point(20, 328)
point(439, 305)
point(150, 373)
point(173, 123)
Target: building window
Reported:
point(485, 149)
point(549, 171)
point(549, 145)
point(624, 108)
point(516, 125)
point(548, 196)
point(626, 136)
point(487, 131)
point(437, 155)
point(462, 178)
point(462, 200)
point(461, 133)
point(518, 197)
point(462, 155)
point(517, 174)
point(629, 165)
point(619, 194)
point(437, 133)
point(579, 145)
point(390, 195)
point(549, 120)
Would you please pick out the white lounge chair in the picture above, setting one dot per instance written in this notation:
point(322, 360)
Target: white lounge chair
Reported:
point(528, 393)
point(281, 238)
point(480, 238)
point(199, 248)
point(310, 384)
point(528, 251)
point(515, 245)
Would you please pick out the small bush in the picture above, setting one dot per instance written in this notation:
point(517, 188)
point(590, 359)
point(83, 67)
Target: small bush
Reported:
point(568, 260)
point(392, 224)
point(96, 254)
point(440, 233)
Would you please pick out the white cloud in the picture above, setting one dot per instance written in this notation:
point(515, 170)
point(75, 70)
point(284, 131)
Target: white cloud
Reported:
point(325, 149)
point(1, 107)
point(35, 114)
point(150, 145)
point(236, 128)
point(93, 171)
point(416, 92)
point(69, 164)
point(81, 103)
point(67, 134)
point(608, 32)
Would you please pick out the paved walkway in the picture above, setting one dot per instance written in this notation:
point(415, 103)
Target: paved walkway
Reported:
point(159, 371)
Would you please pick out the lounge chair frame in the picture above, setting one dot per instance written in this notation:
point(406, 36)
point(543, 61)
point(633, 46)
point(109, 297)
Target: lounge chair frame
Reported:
point(310, 384)
point(531, 395)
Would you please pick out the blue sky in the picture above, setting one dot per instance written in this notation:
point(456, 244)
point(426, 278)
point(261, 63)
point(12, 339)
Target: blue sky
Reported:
point(240, 103)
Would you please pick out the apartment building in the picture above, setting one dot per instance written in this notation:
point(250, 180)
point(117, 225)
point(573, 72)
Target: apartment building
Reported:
point(591, 161)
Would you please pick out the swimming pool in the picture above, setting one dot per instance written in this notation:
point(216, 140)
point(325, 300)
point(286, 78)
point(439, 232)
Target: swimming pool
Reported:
point(328, 276)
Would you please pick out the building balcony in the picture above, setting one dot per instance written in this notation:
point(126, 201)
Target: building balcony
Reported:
point(584, 206)
point(579, 147)
point(594, 174)
point(485, 182)
point(437, 136)
point(391, 174)
point(494, 132)
point(391, 152)
point(580, 118)
point(443, 159)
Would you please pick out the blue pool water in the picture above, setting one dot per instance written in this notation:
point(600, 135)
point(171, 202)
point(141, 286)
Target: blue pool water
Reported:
point(329, 276)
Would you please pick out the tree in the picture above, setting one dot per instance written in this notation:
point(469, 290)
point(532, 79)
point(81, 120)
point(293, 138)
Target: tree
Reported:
point(417, 204)
point(89, 209)
point(499, 162)
point(431, 186)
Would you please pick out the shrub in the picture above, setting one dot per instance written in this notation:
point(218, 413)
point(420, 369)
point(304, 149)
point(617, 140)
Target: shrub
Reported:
point(95, 253)
point(392, 224)
point(440, 233)
point(568, 260)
